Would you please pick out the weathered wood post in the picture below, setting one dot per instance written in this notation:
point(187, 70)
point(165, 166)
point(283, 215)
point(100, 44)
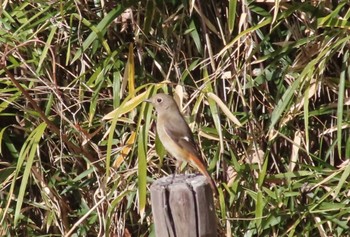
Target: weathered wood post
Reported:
point(183, 206)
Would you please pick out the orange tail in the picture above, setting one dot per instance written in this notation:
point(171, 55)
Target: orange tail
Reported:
point(201, 167)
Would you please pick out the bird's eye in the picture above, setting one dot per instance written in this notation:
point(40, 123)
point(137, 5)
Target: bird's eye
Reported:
point(159, 100)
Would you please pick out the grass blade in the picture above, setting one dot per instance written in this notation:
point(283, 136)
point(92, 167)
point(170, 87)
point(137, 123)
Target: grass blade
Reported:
point(340, 108)
point(27, 154)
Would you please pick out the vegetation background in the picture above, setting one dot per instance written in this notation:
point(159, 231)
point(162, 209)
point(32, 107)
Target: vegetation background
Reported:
point(264, 85)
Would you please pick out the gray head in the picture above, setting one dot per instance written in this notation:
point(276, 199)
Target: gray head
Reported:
point(163, 102)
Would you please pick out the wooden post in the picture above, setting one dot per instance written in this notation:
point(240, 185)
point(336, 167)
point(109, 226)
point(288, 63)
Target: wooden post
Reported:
point(183, 206)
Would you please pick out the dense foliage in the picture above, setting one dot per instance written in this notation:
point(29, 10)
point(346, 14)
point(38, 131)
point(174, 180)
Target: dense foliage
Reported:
point(264, 86)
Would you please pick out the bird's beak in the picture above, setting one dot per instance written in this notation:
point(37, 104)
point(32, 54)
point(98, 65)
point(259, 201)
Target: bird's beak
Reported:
point(147, 100)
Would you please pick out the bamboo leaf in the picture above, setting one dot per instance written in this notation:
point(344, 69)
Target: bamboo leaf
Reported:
point(232, 15)
point(130, 70)
point(214, 113)
point(283, 103)
point(195, 36)
point(150, 8)
point(27, 155)
point(98, 31)
point(224, 109)
point(142, 152)
point(340, 108)
point(342, 180)
point(142, 171)
point(44, 55)
point(125, 151)
point(128, 104)
point(259, 209)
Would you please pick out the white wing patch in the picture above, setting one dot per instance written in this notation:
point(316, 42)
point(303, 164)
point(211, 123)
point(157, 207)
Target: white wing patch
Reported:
point(186, 138)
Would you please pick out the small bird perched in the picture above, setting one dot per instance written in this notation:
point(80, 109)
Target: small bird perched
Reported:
point(175, 134)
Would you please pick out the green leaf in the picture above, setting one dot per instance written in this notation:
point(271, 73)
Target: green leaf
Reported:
point(98, 31)
point(259, 209)
point(142, 152)
point(142, 170)
point(344, 72)
point(231, 14)
point(128, 104)
point(195, 36)
point(44, 55)
point(214, 111)
point(13, 97)
point(160, 150)
point(343, 180)
point(283, 103)
point(150, 8)
point(27, 155)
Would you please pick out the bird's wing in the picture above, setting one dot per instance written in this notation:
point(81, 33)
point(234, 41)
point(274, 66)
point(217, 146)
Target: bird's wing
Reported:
point(181, 134)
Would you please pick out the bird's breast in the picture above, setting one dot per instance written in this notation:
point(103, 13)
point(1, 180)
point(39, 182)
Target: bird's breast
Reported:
point(169, 144)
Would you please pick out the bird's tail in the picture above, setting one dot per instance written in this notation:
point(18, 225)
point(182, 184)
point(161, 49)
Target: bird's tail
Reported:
point(201, 167)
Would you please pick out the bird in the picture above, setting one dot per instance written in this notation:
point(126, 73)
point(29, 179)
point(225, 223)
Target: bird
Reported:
point(176, 136)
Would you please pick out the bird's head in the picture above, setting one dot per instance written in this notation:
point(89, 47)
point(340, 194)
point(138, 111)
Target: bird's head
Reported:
point(162, 102)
